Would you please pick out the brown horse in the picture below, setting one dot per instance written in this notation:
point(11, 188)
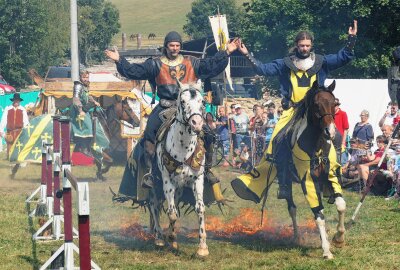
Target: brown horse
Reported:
point(120, 110)
point(308, 136)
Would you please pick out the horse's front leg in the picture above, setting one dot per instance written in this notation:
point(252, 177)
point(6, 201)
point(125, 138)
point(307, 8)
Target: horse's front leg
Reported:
point(155, 206)
point(320, 220)
point(169, 193)
point(293, 214)
point(198, 187)
point(338, 239)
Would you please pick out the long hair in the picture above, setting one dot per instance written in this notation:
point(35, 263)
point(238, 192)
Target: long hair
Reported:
point(302, 35)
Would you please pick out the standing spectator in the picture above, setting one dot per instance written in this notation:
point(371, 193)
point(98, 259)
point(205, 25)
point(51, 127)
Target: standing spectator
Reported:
point(232, 130)
point(242, 127)
point(342, 125)
point(13, 120)
point(223, 133)
point(363, 130)
point(389, 116)
point(258, 138)
point(270, 123)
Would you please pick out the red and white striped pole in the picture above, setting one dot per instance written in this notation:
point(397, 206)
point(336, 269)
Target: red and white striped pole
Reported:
point(67, 196)
point(56, 177)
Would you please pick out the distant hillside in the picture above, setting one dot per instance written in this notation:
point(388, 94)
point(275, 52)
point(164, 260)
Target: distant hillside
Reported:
point(152, 16)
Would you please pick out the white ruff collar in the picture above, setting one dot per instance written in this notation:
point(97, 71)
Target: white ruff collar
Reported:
point(304, 64)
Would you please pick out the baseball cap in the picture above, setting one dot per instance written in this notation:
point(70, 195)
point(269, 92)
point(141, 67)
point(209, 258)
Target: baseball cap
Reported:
point(237, 106)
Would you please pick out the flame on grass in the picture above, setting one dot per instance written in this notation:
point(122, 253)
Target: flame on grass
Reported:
point(246, 224)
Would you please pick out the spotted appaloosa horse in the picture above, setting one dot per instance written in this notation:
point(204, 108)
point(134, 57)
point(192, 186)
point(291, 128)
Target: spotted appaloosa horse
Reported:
point(180, 143)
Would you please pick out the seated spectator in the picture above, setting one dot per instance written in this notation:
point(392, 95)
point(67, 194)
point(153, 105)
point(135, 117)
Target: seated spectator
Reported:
point(395, 169)
point(244, 158)
point(363, 130)
point(383, 180)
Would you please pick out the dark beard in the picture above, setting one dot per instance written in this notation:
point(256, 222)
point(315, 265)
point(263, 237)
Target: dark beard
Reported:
point(302, 56)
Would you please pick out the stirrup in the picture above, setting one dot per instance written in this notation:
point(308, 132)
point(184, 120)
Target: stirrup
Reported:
point(148, 181)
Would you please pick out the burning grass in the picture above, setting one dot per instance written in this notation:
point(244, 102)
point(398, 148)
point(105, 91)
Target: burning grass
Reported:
point(246, 225)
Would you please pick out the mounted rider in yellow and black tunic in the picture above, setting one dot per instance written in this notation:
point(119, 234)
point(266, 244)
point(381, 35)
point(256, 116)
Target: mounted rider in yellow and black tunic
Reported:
point(297, 73)
point(162, 73)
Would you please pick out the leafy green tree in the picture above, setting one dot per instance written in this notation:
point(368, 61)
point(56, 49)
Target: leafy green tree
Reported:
point(98, 22)
point(269, 28)
point(197, 23)
point(30, 38)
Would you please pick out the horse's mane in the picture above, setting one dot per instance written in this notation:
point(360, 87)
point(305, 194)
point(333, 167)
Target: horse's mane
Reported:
point(301, 107)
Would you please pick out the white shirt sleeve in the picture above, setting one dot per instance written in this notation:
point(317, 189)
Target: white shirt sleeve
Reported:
point(25, 118)
point(3, 121)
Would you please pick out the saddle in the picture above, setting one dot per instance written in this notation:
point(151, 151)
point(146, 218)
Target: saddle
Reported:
point(194, 161)
point(167, 116)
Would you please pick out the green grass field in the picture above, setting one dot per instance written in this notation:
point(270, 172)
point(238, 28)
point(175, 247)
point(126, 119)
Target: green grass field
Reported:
point(156, 16)
point(119, 238)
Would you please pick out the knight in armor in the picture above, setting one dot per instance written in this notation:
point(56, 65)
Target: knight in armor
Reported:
point(394, 77)
point(163, 73)
point(82, 104)
point(297, 72)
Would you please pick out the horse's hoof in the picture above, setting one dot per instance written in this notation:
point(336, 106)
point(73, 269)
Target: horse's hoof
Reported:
point(202, 252)
point(328, 256)
point(174, 244)
point(338, 244)
point(159, 243)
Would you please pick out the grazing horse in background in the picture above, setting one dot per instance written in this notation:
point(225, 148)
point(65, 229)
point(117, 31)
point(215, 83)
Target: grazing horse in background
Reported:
point(180, 159)
point(133, 37)
point(151, 36)
point(310, 134)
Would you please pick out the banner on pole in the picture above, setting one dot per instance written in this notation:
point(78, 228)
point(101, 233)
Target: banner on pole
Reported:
point(219, 28)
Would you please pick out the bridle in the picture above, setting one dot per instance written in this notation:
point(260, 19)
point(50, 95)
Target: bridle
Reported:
point(185, 120)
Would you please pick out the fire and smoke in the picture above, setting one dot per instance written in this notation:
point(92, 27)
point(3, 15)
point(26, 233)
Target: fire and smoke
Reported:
point(246, 224)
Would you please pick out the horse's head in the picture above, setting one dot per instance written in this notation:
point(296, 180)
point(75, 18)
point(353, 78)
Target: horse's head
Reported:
point(322, 109)
point(125, 111)
point(190, 106)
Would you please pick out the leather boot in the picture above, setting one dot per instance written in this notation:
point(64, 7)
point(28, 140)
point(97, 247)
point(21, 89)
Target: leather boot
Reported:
point(212, 179)
point(148, 180)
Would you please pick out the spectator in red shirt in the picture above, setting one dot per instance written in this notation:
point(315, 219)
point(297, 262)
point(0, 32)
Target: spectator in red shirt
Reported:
point(383, 182)
point(342, 125)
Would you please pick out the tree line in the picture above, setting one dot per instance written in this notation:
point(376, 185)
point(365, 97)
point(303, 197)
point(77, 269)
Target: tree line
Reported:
point(268, 27)
point(36, 34)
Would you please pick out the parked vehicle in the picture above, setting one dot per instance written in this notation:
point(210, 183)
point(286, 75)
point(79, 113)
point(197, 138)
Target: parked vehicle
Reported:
point(5, 88)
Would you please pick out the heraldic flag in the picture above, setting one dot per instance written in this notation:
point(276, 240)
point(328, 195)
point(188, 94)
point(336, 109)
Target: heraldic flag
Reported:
point(28, 145)
point(219, 28)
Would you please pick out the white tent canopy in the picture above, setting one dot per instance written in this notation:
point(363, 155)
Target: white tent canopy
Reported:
point(356, 95)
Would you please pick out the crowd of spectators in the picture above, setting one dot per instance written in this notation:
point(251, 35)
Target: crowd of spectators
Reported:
point(244, 140)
